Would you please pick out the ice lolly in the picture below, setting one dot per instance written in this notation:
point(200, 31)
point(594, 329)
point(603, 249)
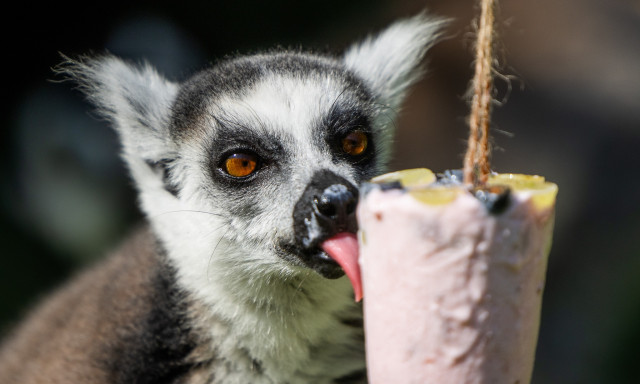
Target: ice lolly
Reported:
point(453, 276)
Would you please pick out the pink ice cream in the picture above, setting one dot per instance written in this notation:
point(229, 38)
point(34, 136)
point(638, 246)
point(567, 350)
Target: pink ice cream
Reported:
point(452, 293)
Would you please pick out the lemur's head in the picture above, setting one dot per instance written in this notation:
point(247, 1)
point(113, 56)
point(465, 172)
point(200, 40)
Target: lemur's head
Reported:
point(245, 169)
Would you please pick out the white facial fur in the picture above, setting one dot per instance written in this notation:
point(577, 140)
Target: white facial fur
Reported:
point(281, 312)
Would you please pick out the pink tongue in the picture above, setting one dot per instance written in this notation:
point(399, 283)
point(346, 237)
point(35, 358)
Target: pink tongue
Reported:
point(343, 248)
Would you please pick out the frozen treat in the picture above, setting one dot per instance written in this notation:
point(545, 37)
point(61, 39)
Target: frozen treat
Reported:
point(453, 276)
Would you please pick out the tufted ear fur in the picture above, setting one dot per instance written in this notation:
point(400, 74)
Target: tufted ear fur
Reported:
point(390, 62)
point(137, 101)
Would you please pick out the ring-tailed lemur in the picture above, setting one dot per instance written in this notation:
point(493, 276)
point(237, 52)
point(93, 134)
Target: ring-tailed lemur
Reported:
point(244, 172)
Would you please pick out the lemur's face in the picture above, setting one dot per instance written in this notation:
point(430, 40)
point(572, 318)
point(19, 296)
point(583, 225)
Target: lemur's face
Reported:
point(248, 167)
point(279, 144)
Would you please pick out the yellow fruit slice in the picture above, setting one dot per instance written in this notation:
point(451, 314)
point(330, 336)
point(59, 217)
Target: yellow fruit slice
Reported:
point(543, 193)
point(419, 183)
point(408, 177)
point(437, 194)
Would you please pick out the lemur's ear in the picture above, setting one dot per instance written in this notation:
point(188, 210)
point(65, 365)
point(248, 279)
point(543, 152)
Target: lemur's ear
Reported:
point(391, 61)
point(136, 100)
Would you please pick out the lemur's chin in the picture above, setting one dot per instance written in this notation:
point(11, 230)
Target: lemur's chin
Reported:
point(327, 267)
point(314, 258)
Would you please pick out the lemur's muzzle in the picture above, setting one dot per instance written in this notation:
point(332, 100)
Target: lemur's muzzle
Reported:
point(324, 220)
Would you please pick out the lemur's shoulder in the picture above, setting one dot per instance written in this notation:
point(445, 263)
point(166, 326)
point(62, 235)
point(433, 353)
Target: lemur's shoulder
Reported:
point(119, 321)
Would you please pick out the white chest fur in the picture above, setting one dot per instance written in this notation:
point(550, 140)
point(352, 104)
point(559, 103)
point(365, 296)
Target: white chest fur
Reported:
point(307, 333)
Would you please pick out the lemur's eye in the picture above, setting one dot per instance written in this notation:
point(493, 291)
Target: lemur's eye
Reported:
point(241, 164)
point(355, 143)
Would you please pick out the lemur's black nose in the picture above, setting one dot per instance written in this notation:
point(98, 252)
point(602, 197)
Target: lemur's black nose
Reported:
point(336, 202)
point(327, 207)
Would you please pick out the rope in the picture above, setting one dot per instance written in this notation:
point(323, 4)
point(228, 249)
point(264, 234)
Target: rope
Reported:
point(476, 162)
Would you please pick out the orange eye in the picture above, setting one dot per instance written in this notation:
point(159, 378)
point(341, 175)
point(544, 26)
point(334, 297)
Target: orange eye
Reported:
point(355, 143)
point(240, 164)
